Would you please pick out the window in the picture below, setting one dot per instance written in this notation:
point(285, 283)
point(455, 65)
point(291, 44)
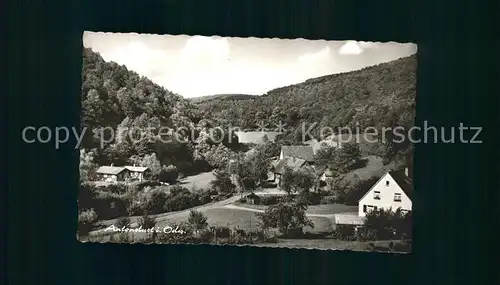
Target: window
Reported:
point(387, 183)
point(364, 208)
point(397, 197)
point(376, 195)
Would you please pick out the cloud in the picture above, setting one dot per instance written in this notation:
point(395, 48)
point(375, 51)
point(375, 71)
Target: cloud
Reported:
point(323, 54)
point(139, 57)
point(351, 48)
point(200, 49)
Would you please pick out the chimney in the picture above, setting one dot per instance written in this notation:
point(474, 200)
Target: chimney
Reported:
point(406, 172)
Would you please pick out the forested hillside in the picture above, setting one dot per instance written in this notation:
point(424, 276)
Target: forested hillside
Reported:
point(114, 97)
point(222, 97)
point(376, 96)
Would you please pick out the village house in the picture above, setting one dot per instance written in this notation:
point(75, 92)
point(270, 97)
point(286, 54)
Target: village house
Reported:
point(122, 173)
point(392, 191)
point(295, 164)
point(112, 173)
point(138, 172)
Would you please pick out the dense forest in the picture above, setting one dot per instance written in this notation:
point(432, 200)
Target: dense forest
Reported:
point(114, 97)
point(377, 96)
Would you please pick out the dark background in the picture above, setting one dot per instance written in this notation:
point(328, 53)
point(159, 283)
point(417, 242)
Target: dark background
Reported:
point(455, 209)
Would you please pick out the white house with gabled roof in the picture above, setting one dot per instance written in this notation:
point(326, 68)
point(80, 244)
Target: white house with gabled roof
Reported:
point(392, 191)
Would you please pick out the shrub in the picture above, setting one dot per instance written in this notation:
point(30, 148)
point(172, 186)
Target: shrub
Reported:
point(385, 225)
point(328, 199)
point(110, 205)
point(116, 188)
point(205, 236)
point(124, 237)
point(181, 198)
point(308, 198)
point(222, 182)
point(197, 220)
point(151, 183)
point(154, 202)
point(86, 221)
point(169, 174)
point(134, 209)
point(221, 232)
point(123, 222)
point(269, 200)
point(147, 222)
point(205, 197)
point(345, 232)
point(288, 218)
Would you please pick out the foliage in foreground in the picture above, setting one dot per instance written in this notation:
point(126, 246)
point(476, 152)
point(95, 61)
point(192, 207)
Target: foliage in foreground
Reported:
point(288, 218)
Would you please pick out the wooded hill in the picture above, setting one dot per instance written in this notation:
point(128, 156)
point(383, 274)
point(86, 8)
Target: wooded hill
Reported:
point(113, 96)
point(368, 96)
point(377, 96)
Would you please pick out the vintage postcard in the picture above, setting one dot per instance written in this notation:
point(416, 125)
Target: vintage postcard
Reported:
point(247, 141)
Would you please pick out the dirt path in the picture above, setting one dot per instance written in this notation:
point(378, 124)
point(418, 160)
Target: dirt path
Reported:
point(165, 216)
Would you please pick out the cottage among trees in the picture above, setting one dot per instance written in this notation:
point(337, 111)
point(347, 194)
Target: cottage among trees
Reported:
point(122, 173)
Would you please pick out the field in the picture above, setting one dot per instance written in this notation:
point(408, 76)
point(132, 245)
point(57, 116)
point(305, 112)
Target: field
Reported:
point(199, 181)
point(326, 209)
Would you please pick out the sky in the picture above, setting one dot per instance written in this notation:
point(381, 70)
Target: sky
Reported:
point(194, 66)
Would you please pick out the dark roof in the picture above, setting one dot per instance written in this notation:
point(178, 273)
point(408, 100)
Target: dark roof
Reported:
point(403, 181)
point(110, 170)
point(294, 163)
point(305, 152)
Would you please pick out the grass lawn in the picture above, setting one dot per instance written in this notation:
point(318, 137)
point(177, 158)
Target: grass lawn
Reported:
point(246, 220)
point(200, 181)
point(321, 225)
point(314, 209)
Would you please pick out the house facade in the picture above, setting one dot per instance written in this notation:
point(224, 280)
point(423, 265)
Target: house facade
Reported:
point(112, 173)
point(137, 172)
point(295, 164)
point(392, 191)
point(122, 173)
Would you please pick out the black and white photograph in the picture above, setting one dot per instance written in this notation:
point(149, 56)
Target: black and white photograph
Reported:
point(269, 142)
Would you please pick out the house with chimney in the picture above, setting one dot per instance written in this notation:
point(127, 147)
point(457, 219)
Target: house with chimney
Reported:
point(392, 191)
point(139, 173)
point(112, 173)
point(116, 174)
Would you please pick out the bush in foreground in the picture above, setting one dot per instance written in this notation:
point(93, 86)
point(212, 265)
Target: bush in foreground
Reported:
point(290, 219)
point(86, 221)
